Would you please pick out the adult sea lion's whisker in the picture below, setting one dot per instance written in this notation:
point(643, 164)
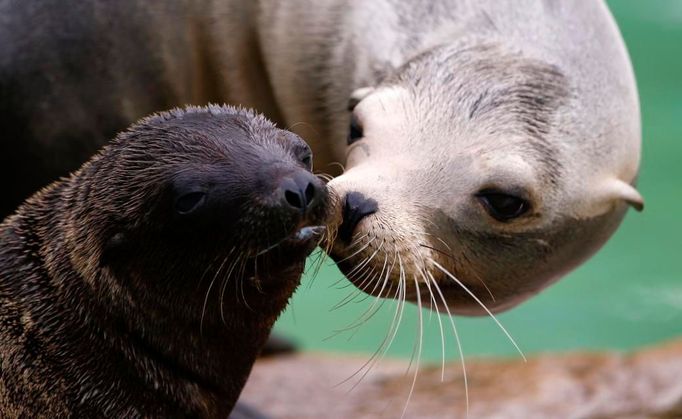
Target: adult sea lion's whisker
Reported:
point(390, 333)
point(464, 287)
point(459, 343)
point(334, 163)
point(440, 324)
point(477, 276)
point(419, 350)
point(366, 261)
point(371, 311)
point(368, 274)
point(357, 251)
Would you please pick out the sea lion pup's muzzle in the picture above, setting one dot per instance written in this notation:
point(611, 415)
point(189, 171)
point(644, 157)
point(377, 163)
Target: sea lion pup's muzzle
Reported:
point(281, 198)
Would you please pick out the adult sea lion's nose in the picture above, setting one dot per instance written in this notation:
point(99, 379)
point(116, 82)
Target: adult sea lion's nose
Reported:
point(355, 208)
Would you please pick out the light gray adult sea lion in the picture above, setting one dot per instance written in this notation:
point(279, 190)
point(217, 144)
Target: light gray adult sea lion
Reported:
point(146, 283)
point(494, 145)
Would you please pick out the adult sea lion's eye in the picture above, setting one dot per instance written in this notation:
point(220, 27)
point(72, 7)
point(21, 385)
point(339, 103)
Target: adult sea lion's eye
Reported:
point(502, 206)
point(189, 202)
point(355, 132)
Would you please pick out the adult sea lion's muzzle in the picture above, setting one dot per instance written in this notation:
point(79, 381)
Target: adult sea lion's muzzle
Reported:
point(355, 208)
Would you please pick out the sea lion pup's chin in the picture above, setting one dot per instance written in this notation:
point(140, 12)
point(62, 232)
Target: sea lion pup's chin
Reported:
point(146, 283)
point(480, 172)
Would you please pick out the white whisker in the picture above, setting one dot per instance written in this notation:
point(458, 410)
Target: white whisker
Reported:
point(464, 287)
point(419, 350)
point(459, 343)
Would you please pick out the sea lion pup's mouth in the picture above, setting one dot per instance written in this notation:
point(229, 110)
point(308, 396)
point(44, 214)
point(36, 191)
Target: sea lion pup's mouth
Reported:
point(304, 239)
point(307, 234)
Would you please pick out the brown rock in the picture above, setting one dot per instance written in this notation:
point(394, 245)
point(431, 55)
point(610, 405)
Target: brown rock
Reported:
point(645, 384)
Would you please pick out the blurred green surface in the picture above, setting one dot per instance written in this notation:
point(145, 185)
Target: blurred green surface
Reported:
point(628, 295)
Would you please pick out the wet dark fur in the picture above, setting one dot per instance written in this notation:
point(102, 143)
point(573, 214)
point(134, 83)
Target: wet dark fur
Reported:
point(103, 286)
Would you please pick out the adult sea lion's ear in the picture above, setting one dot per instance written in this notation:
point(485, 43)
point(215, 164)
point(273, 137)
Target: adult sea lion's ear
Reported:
point(617, 189)
point(606, 193)
point(357, 96)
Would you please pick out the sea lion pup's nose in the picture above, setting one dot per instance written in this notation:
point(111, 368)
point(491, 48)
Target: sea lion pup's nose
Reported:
point(356, 207)
point(301, 192)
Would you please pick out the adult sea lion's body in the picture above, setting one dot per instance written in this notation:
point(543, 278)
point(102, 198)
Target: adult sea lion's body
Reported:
point(494, 143)
point(145, 284)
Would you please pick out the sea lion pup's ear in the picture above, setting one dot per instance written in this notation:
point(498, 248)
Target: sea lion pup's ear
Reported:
point(113, 248)
point(357, 96)
point(610, 191)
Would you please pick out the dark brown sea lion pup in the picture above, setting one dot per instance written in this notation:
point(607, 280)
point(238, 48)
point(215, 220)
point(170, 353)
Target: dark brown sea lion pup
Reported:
point(145, 284)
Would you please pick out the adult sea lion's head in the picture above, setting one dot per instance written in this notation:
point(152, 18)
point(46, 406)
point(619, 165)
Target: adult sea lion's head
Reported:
point(481, 174)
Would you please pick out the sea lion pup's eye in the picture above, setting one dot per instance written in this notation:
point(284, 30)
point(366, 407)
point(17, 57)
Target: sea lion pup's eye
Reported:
point(355, 132)
point(189, 202)
point(307, 160)
point(501, 205)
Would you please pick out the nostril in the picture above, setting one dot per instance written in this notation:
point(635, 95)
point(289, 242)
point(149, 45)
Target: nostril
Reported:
point(355, 209)
point(294, 199)
point(310, 193)
point(300, 191)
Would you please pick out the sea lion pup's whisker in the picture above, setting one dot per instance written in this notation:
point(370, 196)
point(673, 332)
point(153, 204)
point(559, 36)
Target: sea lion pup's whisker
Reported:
point(267, 249)
point(226, 278)
point(419, 350)
point(239, 284)
point(459, 344)
point(316, 266)
point(208, 291)
point(468, 291)
point(210, 266)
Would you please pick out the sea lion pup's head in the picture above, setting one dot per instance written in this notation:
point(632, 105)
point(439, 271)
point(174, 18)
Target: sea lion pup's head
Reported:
point(482, 168)
point(186, 201)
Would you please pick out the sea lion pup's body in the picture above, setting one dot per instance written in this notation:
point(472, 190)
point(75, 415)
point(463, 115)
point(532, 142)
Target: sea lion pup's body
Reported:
point(145, 284)
point(497, 141)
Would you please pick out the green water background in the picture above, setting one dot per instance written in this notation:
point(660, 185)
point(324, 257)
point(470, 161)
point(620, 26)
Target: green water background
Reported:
point(627, 296)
